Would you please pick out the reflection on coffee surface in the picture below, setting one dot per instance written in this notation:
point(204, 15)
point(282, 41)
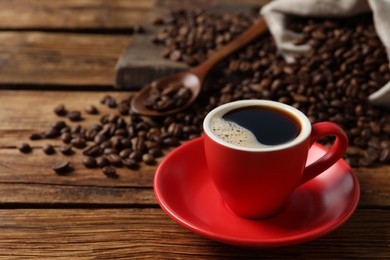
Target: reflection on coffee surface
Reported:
point(255, 126)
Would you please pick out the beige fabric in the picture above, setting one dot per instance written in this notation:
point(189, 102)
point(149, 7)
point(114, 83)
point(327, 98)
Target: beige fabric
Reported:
point(275, 14)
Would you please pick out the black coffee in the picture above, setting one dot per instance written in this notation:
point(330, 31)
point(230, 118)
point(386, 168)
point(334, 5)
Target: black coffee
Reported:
point(256, 126)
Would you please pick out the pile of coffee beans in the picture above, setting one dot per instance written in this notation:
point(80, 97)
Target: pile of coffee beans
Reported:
point(332, 82)
point(120, 139)
point(191, 35)
point(167, 97)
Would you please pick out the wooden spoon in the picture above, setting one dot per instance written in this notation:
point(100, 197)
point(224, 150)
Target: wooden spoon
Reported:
point(193, 78)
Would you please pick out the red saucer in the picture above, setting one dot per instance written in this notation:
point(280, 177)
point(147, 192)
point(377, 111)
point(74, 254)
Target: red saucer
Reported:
point(186, 193)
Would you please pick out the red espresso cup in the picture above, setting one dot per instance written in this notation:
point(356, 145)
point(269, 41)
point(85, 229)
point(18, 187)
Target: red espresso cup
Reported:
point(257, 181)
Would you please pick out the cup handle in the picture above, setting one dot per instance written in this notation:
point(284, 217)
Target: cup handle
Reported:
point(337, 150)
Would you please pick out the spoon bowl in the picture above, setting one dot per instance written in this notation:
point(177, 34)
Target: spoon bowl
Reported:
point(193, 78)
point(187, 79)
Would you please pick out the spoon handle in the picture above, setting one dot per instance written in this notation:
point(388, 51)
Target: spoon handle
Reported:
point(240, 41)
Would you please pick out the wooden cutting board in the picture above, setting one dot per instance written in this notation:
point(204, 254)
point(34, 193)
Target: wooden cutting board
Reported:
point(141, 62)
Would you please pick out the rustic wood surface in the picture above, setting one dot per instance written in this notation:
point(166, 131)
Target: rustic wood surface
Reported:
point(54, 52)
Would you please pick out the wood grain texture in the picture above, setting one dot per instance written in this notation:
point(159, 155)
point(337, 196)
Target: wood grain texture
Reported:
point(32, 110)
point(73, 195)
point(44, 58)
point(149, 233)
point(72, 14)
point(36, 167)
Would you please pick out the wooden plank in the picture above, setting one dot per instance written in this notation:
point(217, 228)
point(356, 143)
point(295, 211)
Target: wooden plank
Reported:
point(36, 167)
point(32, 110)
point(149, 233)
point(374, 186)
point(72, 14)
point(41, 58)
point(46, 195)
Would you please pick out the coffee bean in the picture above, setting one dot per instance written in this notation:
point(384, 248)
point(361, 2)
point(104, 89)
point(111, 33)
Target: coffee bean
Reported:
point(48, 149)
point(171, 141)
point(89, 162)
point(91, 109)
point(102, 161)
point(66, 138)
point(35, 136)
point(155, 152)
point(59, 125)
point(148, 159)
point(62, 168)
point(66, 149)
point(110, 102)
point(78, 142)
point(74, 116)
point(138, 144)
point(130, 163)
point(110, 172)
point(125, 153)
point(96, 127)
point(60, 110)
point(93, 150)
point(110, 150)
point(100, 138)
point(51, 133)
point(24, 148)
point(124, 109)
point(114, 159)
point(136, 155)
point(385, 155)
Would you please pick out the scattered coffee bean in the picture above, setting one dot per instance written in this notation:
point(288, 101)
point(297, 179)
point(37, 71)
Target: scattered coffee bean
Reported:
point(62, 168)
point(78, 142)
point(51, 133)
point(136, 155)
point(125, 153)
point(66, 137)
point(89, 162)
point(155, 152)
point(114, 159)
point(93, 150)
point(171, 141)
point(48, 149)
point(110, 102)
point(148, 159)
point(24, 147)
point(110, 172)
point(35, 136)
point(60, 110)
point(102, 161)
point(130, 163)
point(66, 149)
point(385, 155)
point(74, 116)
point(92, 110)
point(59, 125)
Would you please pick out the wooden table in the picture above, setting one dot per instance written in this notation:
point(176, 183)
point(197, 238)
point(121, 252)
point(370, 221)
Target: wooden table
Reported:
point(54, 52)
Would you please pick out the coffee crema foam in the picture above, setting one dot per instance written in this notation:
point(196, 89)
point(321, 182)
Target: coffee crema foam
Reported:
point(235, 134)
